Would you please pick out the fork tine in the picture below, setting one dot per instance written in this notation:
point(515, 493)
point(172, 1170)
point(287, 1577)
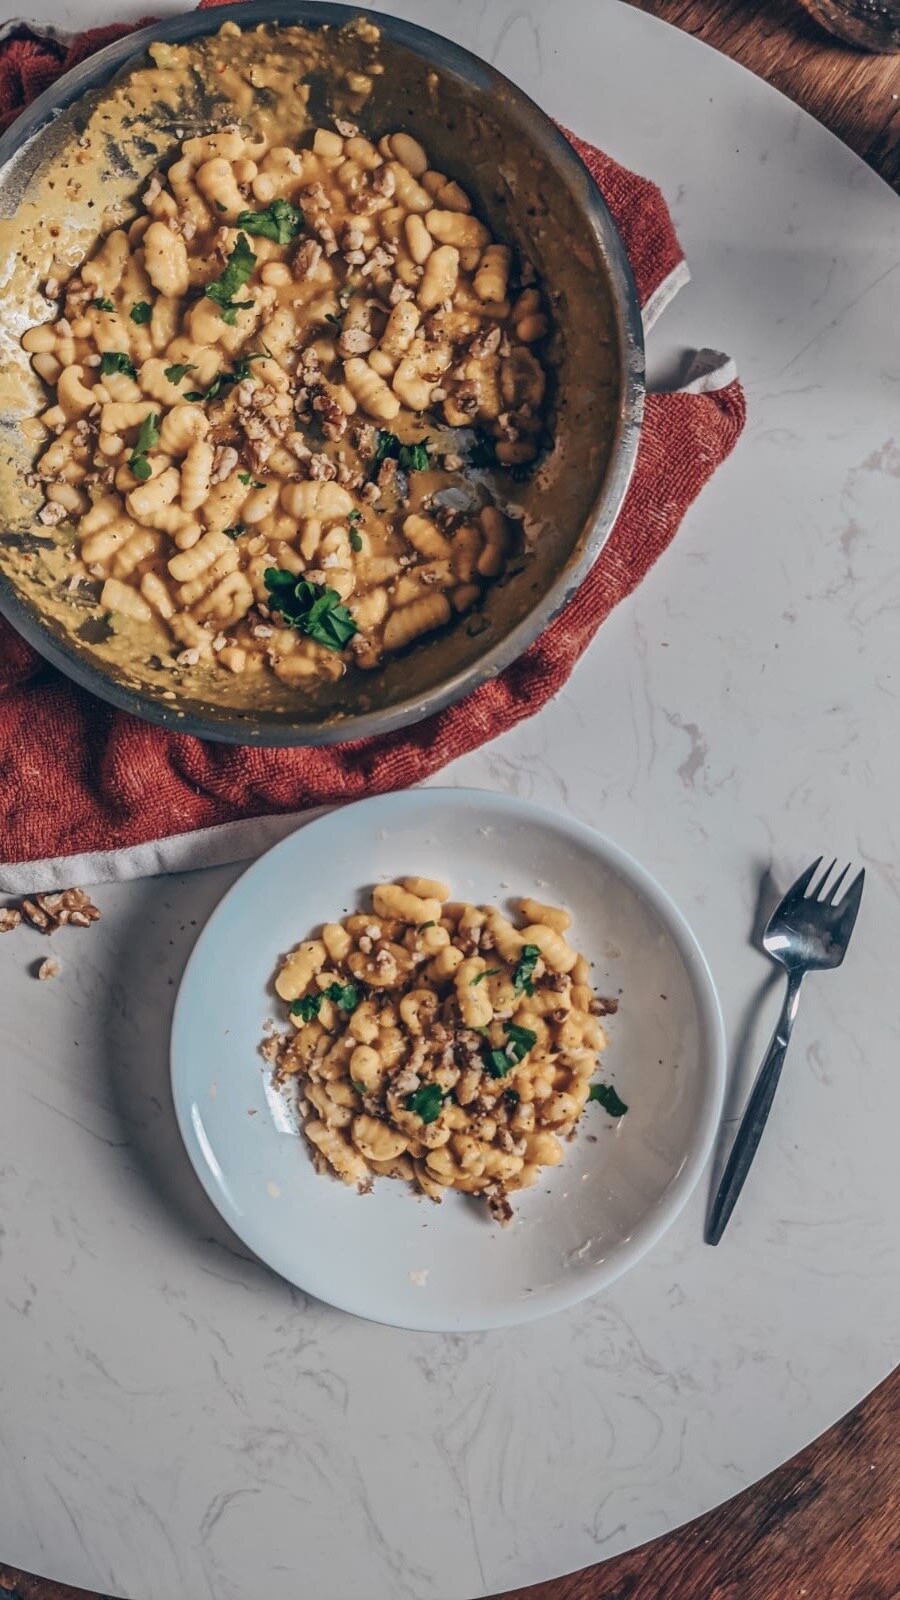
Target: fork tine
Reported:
point(832, 893)
point(798, 889)
point(848, 905)
point(815, 893)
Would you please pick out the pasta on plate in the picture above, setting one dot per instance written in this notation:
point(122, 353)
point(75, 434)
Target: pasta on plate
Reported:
point(249, 379)
point(439, 1042)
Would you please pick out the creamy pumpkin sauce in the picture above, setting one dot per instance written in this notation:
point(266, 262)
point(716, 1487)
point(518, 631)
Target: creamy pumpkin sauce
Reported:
point(298, 383)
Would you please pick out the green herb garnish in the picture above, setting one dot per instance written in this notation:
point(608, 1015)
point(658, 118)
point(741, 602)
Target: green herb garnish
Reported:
point(519, 1042)
point(411, 457)
point(141, 312)
point(499, 1063)
point(148, 436)
point(609, 1100)
point(238, 269)
point(426, 1101)
point(359, 1087)
point(354, 516)
point(310, 608)
point(250, 483)
point(345, 995)
point(280, 222)
point(525, 970)
point(102, 305)
point(414, 457)
point(489, 972)
point(424, 925)
point(238, 373)
point(386, 445)
point(355, 540)
point(235, 531)
point(307, 1008)
point(116, 361)
point(179, 370)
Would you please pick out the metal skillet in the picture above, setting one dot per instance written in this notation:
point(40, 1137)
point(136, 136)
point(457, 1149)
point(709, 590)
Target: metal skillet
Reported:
point(532, 190)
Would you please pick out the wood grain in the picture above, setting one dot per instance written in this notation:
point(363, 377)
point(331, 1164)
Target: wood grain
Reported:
point(854, 94)
point(826, 1525)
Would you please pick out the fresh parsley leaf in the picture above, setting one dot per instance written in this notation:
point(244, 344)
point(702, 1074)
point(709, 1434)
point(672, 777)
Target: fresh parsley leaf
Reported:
point(411, 457)
point(609, 1100)
point(220, 205)
point(241, 370)
point(426, 1101)
point(355, 540)
point(354, 516)
point(238, 269)
point(483, 452)
point(280, 222)
point(148, 436)
point(345, 995)
point(235, 531)
point(386, 445)
point(307, 1008)
point(489, 972)
point(311, 608)
point(522, 1040)
point(179, 370)
point(525, 970)
point(116, 361)
point(141, 312)
point(519, 1042)
point(414, 457)
point(499, 1063)
point(250, 483)
point(102, 305)
point(359, 1087)
point(424, 925)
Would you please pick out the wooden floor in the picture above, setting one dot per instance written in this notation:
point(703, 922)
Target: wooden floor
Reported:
point(856, 95)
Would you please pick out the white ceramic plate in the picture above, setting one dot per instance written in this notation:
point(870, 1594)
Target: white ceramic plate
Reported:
point(392, 1256)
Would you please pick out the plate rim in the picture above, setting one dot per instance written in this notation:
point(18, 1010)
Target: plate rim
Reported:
point(586, 1285)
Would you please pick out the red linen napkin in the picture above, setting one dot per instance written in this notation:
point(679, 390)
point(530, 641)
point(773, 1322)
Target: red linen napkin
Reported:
point(79, 778)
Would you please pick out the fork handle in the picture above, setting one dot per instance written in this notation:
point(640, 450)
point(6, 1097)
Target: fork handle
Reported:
point(755, 1116)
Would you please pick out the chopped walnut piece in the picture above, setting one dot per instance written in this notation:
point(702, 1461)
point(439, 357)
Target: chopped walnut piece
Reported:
point(384, 181)
point(321, 469)
point(49, 968)
point(10, 918)
point(46, 912)
point(499, 1207)
point(355, 342)
point(398, 292)
point(307, 258)
point(52, 514)
point(224, 462)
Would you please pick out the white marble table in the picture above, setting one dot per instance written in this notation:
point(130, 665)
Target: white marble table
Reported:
point(176, 1422)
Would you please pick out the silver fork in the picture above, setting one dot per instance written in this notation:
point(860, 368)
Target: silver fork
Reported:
point(806, 933)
